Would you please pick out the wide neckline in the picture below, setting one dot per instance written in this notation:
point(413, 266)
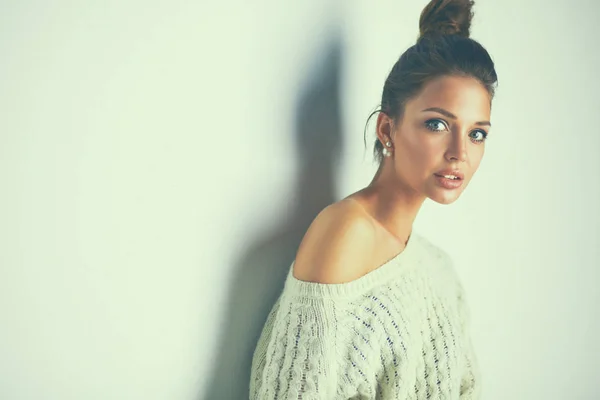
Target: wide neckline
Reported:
point(395, 266)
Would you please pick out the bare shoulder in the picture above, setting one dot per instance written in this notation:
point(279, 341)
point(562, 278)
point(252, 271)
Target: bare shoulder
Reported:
point(337, 246)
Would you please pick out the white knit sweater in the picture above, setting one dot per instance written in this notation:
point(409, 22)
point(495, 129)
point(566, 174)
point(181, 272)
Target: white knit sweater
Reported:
point(398, 332)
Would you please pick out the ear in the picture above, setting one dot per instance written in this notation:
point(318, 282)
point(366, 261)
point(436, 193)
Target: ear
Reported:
point(385, 126)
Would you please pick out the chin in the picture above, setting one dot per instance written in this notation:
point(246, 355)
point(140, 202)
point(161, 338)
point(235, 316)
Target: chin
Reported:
point(444, 196)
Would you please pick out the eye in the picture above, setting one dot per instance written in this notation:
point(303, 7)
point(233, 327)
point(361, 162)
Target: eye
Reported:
point(435, 125)
point(478, 138)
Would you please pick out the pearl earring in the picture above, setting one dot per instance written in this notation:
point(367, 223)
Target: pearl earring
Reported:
point(386, 152)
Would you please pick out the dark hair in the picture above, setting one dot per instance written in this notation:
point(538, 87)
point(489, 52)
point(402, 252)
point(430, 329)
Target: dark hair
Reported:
point(443, 48)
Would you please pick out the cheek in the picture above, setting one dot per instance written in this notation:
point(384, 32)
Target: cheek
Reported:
point(426, 151)
point(476, 156)
point(420, 154)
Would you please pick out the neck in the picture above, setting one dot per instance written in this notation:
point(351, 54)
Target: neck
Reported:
point(392, 203)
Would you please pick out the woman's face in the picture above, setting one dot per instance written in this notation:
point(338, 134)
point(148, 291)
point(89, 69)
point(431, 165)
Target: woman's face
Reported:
point(443, 130)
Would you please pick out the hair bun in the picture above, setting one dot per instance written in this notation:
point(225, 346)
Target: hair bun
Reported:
point(446, 17)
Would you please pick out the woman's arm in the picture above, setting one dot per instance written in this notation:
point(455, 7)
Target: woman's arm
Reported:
point(470, 388)
point(299, 357)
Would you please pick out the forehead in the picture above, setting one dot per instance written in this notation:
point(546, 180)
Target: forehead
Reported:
point(464, 97)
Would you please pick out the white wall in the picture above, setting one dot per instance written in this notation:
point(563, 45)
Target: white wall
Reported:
point(160, 162)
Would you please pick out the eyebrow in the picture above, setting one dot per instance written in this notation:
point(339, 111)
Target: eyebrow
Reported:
point(450, 115)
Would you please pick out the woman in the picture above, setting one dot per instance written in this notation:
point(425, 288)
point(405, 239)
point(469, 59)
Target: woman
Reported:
point(370, 309)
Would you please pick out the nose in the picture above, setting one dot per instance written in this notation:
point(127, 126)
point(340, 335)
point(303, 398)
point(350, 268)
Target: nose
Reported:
point(457, 148)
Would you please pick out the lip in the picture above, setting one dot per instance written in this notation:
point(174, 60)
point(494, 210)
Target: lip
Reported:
point(449, 183)
point(454, 172)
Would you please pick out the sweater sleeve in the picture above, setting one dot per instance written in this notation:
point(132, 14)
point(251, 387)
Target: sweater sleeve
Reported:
point(470, 387)
point(299, 354)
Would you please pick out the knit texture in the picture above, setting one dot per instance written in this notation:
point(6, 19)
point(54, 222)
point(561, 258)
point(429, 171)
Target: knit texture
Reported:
point(399, 332)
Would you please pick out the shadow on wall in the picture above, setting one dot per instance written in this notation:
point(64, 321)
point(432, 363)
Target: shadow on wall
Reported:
point(262, 268)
